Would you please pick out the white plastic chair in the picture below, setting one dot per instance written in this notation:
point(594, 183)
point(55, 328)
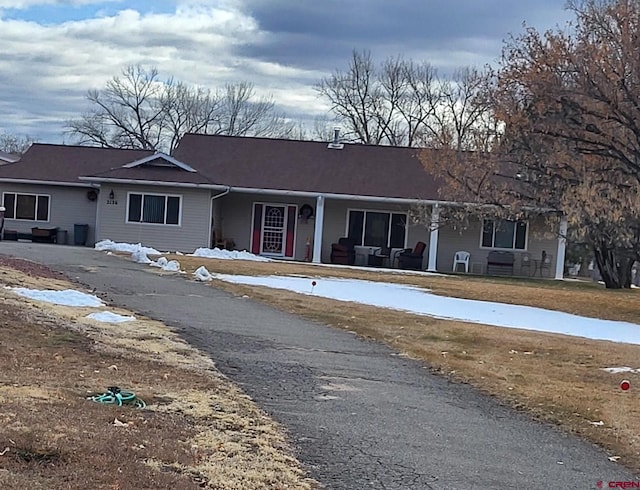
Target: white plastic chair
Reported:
point(461, 257)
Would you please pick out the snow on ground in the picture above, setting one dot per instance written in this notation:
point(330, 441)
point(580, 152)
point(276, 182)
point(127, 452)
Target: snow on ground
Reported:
point(140, 256)
point(166, 265)
point(202, 274)
point(67, 297)
point(108, 317)
point(420, 301)
point(108, 245)
point(411, 299)
point(622, 369)
point(217, 253)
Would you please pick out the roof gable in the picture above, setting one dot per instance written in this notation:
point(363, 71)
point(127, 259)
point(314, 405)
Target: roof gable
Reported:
point(159, 160)
point(8, 158)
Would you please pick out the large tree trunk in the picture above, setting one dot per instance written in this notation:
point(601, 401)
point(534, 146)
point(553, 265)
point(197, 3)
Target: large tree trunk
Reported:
point(614, 266)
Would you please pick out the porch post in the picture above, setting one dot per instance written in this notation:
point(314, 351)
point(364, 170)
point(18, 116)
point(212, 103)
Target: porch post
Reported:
point(317, 230)
point(433, 238)
point(562, 244)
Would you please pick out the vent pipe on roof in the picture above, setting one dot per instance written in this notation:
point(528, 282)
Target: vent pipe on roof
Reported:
point(335, 144)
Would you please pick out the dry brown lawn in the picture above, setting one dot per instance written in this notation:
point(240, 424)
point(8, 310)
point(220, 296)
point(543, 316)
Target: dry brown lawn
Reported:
point(198, 430)
point(555, 378)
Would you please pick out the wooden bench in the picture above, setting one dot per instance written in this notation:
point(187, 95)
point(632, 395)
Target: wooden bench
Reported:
point(44, 235)
point(500, 263)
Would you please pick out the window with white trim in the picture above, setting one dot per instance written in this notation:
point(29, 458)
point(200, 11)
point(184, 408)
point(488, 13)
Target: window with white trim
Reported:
point(158, 209)
point(28, 207)
point(377, 228)
point(504, 234)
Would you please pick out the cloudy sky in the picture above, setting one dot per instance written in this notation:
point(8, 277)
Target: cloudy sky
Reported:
point(53, 51)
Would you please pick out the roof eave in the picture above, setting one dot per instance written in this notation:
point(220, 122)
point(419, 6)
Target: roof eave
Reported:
point(44, 182)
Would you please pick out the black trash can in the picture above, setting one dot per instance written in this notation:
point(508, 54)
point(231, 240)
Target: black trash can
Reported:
point(80, 233)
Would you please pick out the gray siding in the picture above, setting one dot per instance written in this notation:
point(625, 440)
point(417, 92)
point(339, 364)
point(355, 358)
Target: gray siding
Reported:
point(191, 233)
point(67, 206)
point(236, 213)
point(450, 241)
point(335, 223)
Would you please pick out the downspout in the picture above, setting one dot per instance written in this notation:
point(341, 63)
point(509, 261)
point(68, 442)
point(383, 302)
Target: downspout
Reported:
point(213, 198)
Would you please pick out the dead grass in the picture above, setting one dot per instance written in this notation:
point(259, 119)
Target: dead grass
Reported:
point(199, 431)
point(556, 378)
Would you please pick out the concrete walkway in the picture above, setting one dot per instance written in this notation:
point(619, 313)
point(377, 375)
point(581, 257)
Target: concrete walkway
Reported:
point(358, 415)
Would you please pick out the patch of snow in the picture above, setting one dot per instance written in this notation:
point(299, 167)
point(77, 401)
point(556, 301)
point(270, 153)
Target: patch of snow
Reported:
point(622, 369)
point(166, 265)
point(67, 297)
point(217, 253)
point(202, 274)
point(109, 317)
point(108, 245)
point(416, 300)
point(140, 256)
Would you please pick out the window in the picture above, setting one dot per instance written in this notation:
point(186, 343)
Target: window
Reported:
point(153, 208)
point(30, 207)
point(504, 234)
point(377, 228)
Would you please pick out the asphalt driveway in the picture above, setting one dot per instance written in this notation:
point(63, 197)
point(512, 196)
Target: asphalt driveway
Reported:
point(359, 415)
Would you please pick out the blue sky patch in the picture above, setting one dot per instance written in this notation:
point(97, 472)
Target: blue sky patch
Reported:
point(58, 14)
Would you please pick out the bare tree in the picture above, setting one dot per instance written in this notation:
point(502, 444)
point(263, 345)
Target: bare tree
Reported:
point(244, 114)
point(356, 97)
point(12, 143)
point(187, 110)
point(404, 103)
point(138, 110)
point(567, 104)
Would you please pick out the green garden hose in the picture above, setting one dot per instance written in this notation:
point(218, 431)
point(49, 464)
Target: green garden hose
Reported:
point(115, 396)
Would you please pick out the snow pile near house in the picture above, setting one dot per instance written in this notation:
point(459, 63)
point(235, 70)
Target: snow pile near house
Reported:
point(166, 265)
point(108, 245)
point(217, 253)
point(108, 317)
point(140, 257)
point(202, 274)
point(67, 297)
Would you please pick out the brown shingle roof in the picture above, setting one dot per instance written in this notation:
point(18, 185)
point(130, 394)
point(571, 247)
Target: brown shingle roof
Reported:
point(242, 162)
point(62, 163)
point(363, 170)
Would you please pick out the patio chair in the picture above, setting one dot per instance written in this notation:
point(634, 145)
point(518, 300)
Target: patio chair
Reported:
point(412, 258)
point(343, 252)
point(461, 257)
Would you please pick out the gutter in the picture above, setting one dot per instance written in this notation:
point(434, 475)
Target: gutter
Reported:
point(46, 182)
point(101, 180)
point(282, 192)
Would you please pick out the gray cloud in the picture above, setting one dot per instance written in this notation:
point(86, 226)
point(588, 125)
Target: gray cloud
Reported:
point(320, 35)
point(283, 46)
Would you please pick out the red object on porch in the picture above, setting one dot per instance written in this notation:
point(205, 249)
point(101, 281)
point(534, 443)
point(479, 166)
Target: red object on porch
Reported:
point(291, 228)
point(257, 224)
